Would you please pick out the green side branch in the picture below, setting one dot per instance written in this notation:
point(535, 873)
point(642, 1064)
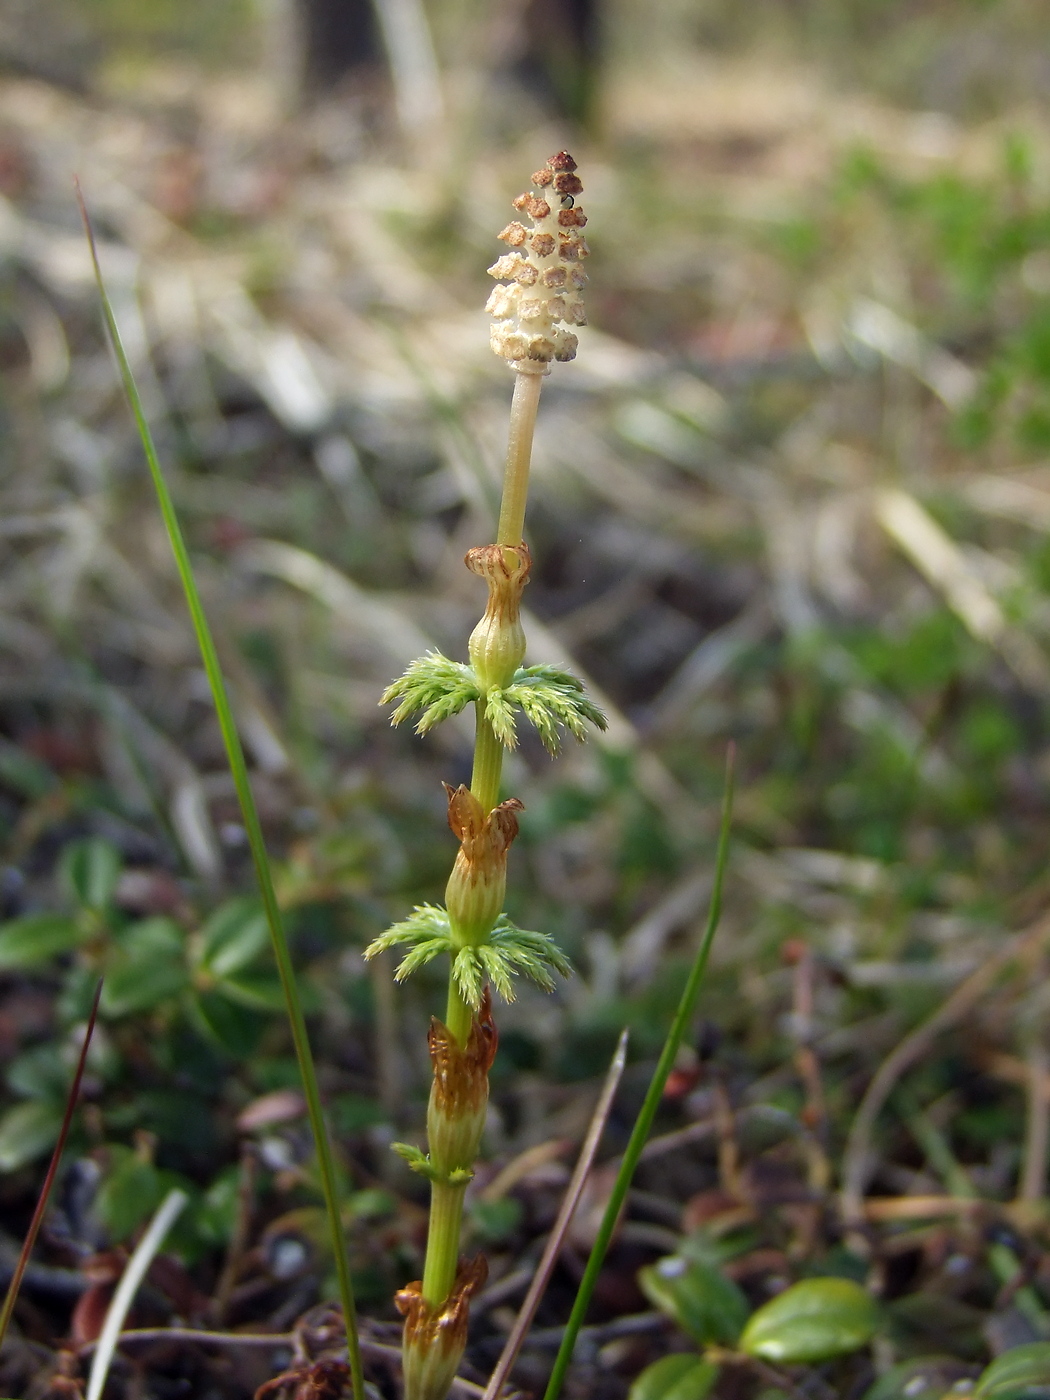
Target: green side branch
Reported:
point(507, 950)
point(552, 700)
point(419, 1161)
point(434, 684)
point(250, 816)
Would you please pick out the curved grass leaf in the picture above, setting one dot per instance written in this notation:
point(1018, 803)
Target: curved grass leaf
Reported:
point(250, 816)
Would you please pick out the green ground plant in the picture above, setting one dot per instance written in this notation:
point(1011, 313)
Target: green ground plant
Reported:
point(813, 1323)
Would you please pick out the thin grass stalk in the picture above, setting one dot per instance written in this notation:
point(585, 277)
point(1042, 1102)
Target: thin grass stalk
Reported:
point(414, 70)
point(253, 827)
point(52, 1171)
point(1032, 1185)
point(560, 1229)
point(643, 1124)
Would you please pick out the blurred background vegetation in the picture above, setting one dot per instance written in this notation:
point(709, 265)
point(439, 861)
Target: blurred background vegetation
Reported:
point(795, 491)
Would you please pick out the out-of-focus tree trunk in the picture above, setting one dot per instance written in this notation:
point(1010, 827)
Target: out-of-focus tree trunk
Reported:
point(550, 47)
point(560, 55)
point(311, 46)
point(47, 39)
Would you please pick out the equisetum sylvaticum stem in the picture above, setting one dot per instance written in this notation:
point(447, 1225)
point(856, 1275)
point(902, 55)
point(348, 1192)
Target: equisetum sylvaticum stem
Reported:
point(533, 308)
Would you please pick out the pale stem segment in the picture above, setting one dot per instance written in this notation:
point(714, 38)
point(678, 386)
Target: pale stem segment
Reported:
point(527, 386)
point(446, 1216)
point(458, 1016)
point(488, 763)
point(488, 751)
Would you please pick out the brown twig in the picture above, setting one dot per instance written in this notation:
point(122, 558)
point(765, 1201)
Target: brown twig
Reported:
point(814, 1112)
point(728, 1144)
point(528, 1161)
point(49, 1179)
point(197, 1334)
point(856, 1167)
point(380, 1350)
point(239, 1236)
point(1032, 1186)
point(561, 1225)
point(924, 1207)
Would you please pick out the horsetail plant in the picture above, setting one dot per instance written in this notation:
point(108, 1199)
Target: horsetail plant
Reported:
point(537, 300)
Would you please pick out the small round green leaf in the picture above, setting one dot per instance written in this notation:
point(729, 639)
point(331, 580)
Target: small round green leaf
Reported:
point(215, 1217)
point(91, 869)
point(1022, 1373)
point(147, 967)
point(493, 1221)
point(812, 1321)
point(259, 991)
point(24, 772)
point(131, 1191)
point(35, 939)
point(921, 1378)
point(235, 1028)
point(40, 1073)
point(683, 1376)
point(698, 1296)
point(233, 937)
point(27, 1131)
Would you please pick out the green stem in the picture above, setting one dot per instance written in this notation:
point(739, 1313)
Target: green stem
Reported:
point(527, 386)
point(446, 1202)
point(488, 762)
point(446, 1217)
point(458, 1016)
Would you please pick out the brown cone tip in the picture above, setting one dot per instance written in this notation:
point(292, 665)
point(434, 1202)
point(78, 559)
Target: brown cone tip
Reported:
point(562, 161)
point(568, 184)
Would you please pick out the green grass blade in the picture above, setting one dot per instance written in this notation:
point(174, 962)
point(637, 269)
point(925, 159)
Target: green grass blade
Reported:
point(239, 770)
point(644, 1122)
